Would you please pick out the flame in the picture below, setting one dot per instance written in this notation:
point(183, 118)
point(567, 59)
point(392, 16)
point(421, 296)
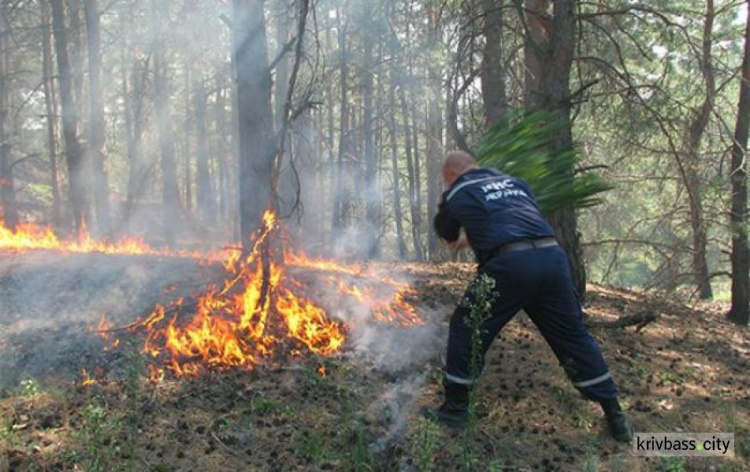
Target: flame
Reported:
point(87, 380)
point(257, 314)
point(28, 236)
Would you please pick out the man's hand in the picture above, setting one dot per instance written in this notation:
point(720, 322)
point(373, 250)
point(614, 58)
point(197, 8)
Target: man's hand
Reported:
point(459, 243)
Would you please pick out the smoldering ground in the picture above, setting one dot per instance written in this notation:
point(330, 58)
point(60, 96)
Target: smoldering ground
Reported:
point(49, 303)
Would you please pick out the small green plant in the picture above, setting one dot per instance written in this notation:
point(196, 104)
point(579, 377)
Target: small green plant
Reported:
point(133, 387)
point(671, 464)
point(361, 457)
point(262, 405)
point(670, 376)
point(639, 370)
point(98, 436)
point(479, 303)
point(592, 458)
point(424, 444)
point(313, 446)
point(27, 388)
point(506, 459)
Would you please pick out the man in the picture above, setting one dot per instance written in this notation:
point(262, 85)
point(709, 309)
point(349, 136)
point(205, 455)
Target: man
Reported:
point(515, 246)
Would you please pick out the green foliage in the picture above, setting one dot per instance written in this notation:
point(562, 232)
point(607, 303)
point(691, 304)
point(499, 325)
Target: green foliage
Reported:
point(27, 388)
point(671, 464)
point(519, 145)
point(479, 303)
point(425, 444)
point(98, 436)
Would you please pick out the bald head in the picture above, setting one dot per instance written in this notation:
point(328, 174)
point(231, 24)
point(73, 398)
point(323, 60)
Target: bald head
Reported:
point(456, 163)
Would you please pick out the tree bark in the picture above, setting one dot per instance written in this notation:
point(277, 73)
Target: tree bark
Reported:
point(492, 68)
point(398, 211)
point(692, 178)
point(254, 113)
point(187, 152)
point(50, 103)
point(96, 119)
point(76, 161)
point(548, 53)
point(7, 186)
point(740, 311)
point(434, 130)
point(371, 191)
point(341, 194)
point(205, 194)
point(164, 123)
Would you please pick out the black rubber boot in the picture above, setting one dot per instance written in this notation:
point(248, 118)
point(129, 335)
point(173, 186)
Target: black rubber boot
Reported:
point(619, 426)
point(454, 410)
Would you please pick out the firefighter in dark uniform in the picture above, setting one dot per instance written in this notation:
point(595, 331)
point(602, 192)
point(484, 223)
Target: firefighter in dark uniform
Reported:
point(515, 245)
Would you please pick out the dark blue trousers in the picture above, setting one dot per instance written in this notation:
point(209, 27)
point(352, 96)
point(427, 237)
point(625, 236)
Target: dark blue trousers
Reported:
point(539, 282)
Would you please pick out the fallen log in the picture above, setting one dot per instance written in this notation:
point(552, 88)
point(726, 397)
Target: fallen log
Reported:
point(639, 320)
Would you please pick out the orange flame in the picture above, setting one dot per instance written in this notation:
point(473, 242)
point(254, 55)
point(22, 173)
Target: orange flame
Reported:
point(87, 380)
point(257, 314)
point(28, 236)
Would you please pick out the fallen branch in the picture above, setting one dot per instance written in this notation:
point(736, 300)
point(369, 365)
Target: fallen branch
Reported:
point(639, 320)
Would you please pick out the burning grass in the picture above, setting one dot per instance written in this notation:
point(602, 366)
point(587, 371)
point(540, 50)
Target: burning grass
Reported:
point(258, 314)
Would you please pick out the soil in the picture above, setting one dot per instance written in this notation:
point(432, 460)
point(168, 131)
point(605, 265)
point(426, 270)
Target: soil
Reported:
point(687, 371)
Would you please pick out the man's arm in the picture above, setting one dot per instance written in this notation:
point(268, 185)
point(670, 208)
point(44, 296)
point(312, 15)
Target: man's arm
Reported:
point(446, 225)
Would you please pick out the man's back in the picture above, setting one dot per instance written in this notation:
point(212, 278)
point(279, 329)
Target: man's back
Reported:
point(493, 208)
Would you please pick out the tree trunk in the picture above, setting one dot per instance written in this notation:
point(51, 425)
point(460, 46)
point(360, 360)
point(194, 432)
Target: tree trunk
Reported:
point(221, 153)
point(692, 178)
point(397, 210)
point(164, 123)
point(205, 194)
point(549, 55)
point(7, 187)
point(134, 90)
point(740, 311)
point(96, 125)
point(371, 192)
point(492, 68)
point(416, 216)
point(434, 125)
point(340, 193)
point(77, 169)
point(187, 152)
point(50, 103)
point(255, 115)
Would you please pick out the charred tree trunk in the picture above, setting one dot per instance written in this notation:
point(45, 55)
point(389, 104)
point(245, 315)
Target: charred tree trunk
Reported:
point(255, 115)
point(96, 117)
point(205, 194)
point(50, 103)
point(740, 311)
point(77, 169)
point(549, 55)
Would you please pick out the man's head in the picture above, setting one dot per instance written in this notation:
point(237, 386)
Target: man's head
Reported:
point(455, 164)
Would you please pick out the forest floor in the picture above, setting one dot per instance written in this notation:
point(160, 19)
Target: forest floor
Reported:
point(686, 371)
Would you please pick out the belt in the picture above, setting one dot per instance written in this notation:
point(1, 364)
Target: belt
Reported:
point(525, 244)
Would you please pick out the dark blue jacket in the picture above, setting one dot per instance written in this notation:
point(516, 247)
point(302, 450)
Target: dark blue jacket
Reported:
point(493, 208)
